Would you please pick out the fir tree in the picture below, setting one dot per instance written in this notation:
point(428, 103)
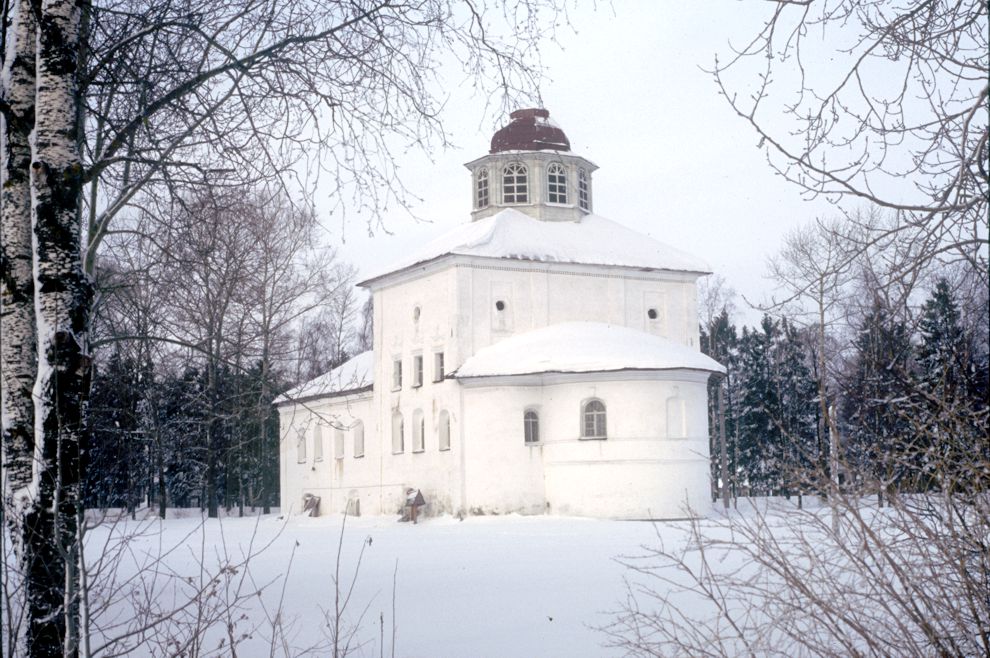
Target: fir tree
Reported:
point(877, 414)
point(719, 341)
point(950, 398)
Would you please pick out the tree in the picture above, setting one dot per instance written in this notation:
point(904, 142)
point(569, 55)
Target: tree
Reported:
point(898, 118)
point(719, 341)
point(130, 102)
point(877, 412)
point(951, 407)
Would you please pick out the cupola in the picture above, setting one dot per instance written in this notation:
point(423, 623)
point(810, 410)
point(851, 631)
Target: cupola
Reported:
point(530, 130)
point(531, 168)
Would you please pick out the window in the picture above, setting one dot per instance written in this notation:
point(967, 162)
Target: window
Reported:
point(515, 188)
point(419, 430)
point(438, 367)
point(481, 189)
point(338, 444)
point(318, 443)
point(398, 443)
point(301, 446)
point(531, 426)
point(444, 430)
point(584, 196)
point(556, 183)
point(417, 371)
point(593, 420)
point(396, 374)
point(358, 431)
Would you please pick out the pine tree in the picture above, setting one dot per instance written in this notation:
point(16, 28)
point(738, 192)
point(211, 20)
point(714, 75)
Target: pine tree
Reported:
point(877, 414)
point(759, 437)
point(719, 341)
point(950, 398)
point(795, 392)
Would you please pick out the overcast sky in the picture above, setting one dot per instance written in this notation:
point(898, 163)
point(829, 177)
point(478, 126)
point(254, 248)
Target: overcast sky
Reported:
point(675, 162)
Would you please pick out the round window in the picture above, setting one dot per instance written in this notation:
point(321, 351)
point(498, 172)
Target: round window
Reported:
point(500, 305)
point(652, 314)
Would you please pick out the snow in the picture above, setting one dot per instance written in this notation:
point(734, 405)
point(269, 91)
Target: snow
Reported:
point(481, 587)
point(497, 585)
point(583, 347)
point(354, 374)
point(512, 234)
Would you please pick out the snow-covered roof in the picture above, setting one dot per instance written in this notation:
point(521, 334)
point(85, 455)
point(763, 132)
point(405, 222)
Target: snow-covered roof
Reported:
point(593, 240)
point(583, 347)
point(352, 375)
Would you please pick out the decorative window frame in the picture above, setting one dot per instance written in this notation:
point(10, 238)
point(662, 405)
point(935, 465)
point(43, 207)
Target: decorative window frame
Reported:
point(397, 373)
point(438, 366)
point(595, 415)
point(443, 431)
point(417, 371)
point(482, 189)
point(531, 419)
point(398, 433)
point(300, 446)
point(318, 442)
point(357, 434)
point(584, 190)
point(515, 177)
point(557, 192)
point(419, 432)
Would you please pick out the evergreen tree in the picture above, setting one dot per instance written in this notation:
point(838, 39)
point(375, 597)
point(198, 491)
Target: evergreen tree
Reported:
point(950, 398)
point(719, 340)
point(795, 393)
point(879, 436)
point(114, 462)
point(759, 437)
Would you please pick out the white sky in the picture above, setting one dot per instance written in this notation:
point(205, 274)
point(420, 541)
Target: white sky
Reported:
point(675, 162)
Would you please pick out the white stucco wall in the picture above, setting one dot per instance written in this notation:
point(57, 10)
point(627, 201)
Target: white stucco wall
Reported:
point(334, 480)
point(644, 469)
point(449, 307)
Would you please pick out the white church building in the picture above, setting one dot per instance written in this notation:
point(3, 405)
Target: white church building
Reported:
point(537, 359)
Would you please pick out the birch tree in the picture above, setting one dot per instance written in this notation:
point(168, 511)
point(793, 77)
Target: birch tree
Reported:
point(128, 101)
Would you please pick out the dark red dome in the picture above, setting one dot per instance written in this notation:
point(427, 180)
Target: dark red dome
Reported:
point(530, 130)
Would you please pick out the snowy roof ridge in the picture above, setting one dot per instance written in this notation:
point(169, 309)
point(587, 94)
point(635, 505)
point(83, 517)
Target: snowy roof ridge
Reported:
point(583, 347)
point(512, 234)
point(352, 375)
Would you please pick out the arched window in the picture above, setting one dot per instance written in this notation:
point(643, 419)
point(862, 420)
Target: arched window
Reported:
point(444, 430)
point(556, 183)
point(318, 443)
point(531, 426)
point(481, 189)
point(593, 420)
point(419, 431)
point(584, 190)
point(398, 443)
point(515, 185)
point(301, 445)
point(338, 444)
point(358, 431)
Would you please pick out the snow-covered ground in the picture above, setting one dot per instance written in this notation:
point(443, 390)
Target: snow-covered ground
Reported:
point(484, 586)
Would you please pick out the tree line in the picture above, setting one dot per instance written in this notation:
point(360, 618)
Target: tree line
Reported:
point(905, 390)
point(197, 335)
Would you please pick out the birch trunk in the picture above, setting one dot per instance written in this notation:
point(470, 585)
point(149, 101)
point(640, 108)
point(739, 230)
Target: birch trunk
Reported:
point(63, 294)
point(18, 366)
point(17, 350)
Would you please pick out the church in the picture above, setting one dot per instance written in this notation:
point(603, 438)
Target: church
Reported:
point(539, 359)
